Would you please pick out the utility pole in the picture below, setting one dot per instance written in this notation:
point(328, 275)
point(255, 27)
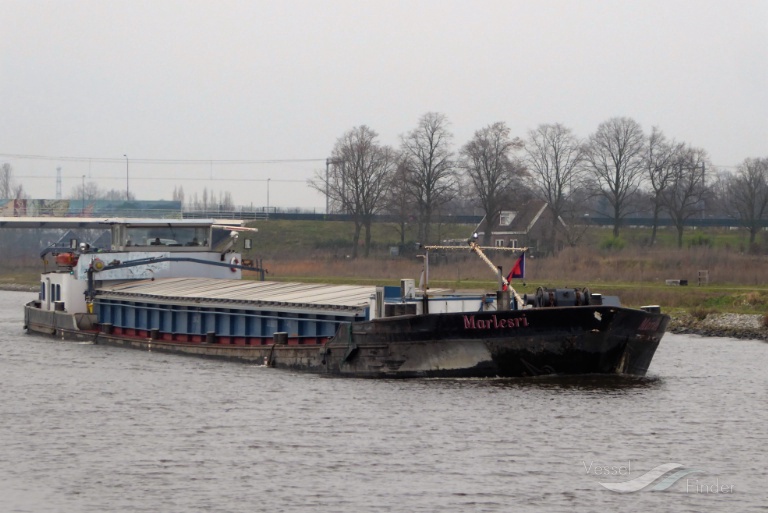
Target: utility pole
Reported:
point(328, 163)
point(127, 190)
point(327, 203)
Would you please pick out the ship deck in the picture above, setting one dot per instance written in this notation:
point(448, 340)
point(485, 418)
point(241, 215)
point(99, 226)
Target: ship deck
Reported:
point(215, 292)
point(235, 311)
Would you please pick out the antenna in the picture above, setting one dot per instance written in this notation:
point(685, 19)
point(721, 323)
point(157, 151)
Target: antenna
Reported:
point(58, 183)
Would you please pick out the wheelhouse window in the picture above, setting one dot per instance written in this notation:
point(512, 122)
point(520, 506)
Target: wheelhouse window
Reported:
point(169, 236)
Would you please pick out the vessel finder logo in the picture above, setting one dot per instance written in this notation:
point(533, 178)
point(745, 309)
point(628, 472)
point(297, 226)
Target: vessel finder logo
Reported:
point(656, 479)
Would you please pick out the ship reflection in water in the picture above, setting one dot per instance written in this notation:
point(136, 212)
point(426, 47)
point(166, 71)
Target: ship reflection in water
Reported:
point(600, 383)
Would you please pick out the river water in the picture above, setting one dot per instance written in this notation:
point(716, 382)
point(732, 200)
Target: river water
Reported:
point(89, 428)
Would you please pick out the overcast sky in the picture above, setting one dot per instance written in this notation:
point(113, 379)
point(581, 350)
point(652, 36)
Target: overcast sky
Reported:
point(213, 81)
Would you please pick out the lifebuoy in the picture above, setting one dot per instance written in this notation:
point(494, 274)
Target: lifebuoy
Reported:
point(234, 261)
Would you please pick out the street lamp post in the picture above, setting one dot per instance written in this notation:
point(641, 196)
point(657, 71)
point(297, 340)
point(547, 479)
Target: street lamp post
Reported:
point(127, 189)
point(327, 203)
point(82, 212)
point(268, 179)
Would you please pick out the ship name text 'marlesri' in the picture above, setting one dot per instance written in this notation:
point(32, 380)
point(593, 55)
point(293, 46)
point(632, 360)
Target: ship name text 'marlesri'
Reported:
point(494, 322)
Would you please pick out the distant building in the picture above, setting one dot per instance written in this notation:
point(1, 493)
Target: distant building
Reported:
point(529, 225)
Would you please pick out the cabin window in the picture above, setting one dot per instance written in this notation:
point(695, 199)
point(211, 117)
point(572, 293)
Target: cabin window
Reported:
point(42, 291)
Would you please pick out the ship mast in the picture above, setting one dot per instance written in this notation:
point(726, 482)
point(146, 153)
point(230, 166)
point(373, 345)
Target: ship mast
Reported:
point(478, 250)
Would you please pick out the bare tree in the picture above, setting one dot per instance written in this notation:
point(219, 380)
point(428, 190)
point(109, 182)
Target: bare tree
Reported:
point(553, 156)
point(428, 160)
point(613, 155)
point(90, 191)
point(398, 202)
point(658, 159)
point(493, 171)
point(193, 202)
point(362, 171)
point(18, 192)
point(87, 191)
point(9, 189)
point(226, 203)
point(117, 195)
point(748, 194)
point(178, 194)
point(208, 201)
point(687, 189)
point(718, 203)
point(6, 181)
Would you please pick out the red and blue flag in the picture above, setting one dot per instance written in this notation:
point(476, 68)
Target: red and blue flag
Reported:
point(518, 270)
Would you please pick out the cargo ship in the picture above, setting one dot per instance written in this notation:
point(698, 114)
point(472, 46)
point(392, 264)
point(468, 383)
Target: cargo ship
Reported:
point(177, 286)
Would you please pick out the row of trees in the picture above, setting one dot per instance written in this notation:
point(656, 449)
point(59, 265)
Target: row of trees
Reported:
point(618, 171)
point(419, 179)
point(207, 201)
point(90, 191)
point(9, 189)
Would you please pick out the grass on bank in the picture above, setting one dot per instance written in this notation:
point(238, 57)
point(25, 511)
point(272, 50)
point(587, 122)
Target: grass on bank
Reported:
point(316, 251)
point(715, 297)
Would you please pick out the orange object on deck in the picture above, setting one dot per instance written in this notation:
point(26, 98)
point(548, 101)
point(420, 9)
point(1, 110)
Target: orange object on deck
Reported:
point(66, 259)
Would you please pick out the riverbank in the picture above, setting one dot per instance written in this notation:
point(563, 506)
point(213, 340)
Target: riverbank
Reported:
point(19, 287)
point(746, 326)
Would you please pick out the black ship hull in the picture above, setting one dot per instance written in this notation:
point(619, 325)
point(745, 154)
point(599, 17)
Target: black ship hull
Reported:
point(567, 340)
point(515, 343)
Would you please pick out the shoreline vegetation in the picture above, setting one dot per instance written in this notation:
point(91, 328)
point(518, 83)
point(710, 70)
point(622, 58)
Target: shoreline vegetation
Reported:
point(728, 325)
point(731, 302)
